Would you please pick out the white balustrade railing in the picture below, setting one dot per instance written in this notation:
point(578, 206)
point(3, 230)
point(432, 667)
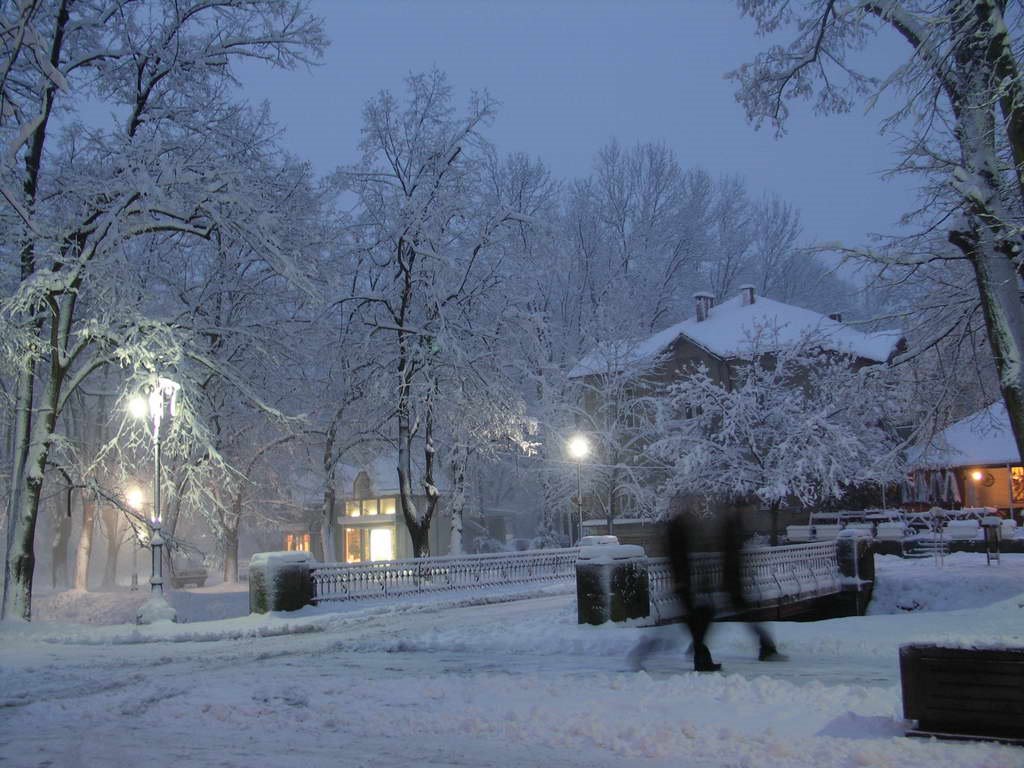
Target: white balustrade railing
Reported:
point(348, 581)
point(769, 574)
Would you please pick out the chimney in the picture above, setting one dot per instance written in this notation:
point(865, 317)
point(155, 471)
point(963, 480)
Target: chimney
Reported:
point(747, 292)
point(837, 316)
point(704, 303)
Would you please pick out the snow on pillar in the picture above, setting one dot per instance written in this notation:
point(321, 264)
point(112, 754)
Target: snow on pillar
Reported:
point(280, 581)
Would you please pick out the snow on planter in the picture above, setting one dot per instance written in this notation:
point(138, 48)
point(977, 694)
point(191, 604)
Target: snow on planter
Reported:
point(611, 583)
point(280, 581)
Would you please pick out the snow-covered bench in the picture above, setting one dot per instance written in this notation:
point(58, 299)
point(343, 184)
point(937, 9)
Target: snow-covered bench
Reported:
point(860, 527)
point(961, 530)
point(892, 532)
point(802, 533)
point(185, 576)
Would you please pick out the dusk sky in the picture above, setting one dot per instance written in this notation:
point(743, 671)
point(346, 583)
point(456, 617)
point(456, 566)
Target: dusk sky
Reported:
point(571, 75)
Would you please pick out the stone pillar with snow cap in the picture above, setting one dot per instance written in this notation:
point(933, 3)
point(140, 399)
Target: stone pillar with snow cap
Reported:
point(856, 562)
point(280, 581)
point(611, 583)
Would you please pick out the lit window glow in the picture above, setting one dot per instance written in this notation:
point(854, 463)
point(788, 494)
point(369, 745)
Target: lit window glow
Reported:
point(297, 542)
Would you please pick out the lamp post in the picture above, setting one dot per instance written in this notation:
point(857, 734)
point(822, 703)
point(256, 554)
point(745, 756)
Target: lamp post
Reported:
point(134, 498)
point(159, 407)
point(579, 448)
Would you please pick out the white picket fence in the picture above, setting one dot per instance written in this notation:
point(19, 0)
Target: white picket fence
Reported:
point(349, 581)
point(771, 573)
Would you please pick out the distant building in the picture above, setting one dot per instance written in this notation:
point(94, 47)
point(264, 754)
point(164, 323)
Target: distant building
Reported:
point(719, 338)
point(980, 455)
point(369, 524)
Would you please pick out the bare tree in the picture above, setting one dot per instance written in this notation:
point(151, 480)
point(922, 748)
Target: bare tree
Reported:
point(963, 108)
point(424, 238)
point(170, 162)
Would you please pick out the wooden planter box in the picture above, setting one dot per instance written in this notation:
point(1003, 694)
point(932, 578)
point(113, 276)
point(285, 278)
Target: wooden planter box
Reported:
point(964, 692)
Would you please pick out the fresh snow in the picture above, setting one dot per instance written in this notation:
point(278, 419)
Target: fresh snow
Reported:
point(466, 679)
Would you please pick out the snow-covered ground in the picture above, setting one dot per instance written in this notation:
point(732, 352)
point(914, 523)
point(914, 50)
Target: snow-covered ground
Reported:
point(442, 682)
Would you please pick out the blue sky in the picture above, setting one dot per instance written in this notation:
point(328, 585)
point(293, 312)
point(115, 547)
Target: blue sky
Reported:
point(570, 75)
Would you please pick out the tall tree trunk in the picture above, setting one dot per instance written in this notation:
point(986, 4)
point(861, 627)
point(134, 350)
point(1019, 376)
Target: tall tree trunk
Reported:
point(112, 526)
point(85, 542)
point(61, 540)
point(21, 558)
point(457, 499)
point(328, 526)
point(231, 526)
point(328, 550)
point(31, 447)
point(990, 242)
point(12, 606)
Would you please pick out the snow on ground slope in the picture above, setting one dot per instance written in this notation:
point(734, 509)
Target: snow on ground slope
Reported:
point(520, 683)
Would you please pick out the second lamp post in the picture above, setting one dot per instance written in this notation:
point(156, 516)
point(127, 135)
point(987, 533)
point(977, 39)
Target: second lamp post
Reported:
point(159, 408)
point(579, 449)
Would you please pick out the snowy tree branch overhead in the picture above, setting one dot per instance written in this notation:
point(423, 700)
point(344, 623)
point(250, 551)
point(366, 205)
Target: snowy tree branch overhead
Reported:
point(964, 106)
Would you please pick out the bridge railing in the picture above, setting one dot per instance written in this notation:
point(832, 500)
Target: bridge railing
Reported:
point(769, 574)
point(350, 581)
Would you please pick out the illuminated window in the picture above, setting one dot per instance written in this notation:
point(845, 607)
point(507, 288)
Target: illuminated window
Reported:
point(296, 542)
point(387, 506)
point(352, 508)
point(1017, 483)
point(353, 545)
point(382, 543)
point(370, 507)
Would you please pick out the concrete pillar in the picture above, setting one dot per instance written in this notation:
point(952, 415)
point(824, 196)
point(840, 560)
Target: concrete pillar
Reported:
point(857, 568)
point(612, 583)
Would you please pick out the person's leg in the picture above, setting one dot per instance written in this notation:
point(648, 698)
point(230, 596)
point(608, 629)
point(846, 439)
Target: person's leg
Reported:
point(766, 650)
point(699, 621)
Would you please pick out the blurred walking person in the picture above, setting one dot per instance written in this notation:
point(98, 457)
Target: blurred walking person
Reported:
point(695, 599)
point(732, 577)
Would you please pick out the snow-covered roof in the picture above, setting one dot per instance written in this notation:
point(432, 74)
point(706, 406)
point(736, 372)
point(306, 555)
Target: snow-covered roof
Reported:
point(983, 437)
point(728, 329)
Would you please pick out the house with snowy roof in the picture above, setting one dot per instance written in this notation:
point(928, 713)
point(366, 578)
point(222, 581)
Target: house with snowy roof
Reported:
point(719, 337)
point(719, 334)
point(980, 455)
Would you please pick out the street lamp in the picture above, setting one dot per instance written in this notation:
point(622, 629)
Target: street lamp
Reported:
point(159, 408)
point(133, 496)
point(579, 448)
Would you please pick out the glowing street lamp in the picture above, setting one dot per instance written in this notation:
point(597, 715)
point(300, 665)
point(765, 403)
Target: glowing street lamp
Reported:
point(578, 448)
point(134, 497)
point(158, 407)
